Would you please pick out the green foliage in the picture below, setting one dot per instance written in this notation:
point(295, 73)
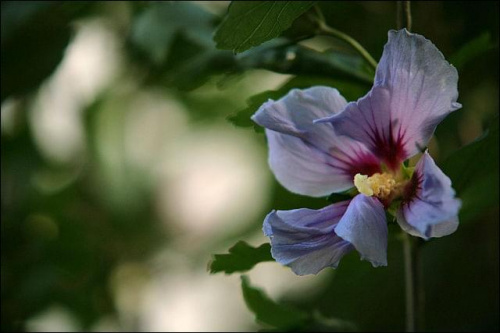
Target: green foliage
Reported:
point(173, 42)
point(156, 28)
point(281, 317)
point(159, 29)
point(267, 311)
point(250, 23)
point(58, 259)
point(471, 50)
point(299, 60)
point(241, 257)
point(473, 171)
point(34, 38)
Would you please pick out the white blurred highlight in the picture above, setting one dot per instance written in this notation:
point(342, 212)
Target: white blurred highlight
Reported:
point(214, 181)
point(153, 124)
point(54, 319)
point(186, 301)
point(90, 62)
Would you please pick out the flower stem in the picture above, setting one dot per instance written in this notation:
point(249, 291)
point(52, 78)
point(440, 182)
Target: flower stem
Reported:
point(399, 15)
point(413, 284)
point(403, 9)
point(325, 30)
point(407, 7)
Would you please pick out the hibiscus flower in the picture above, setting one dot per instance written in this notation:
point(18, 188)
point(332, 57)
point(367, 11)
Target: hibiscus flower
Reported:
point(319, 144)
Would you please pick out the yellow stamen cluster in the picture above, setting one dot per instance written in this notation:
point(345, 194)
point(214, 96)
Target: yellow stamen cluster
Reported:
point(379, 184)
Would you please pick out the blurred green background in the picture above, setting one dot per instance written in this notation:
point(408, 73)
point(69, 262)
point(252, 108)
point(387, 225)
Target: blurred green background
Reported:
point(121, 173)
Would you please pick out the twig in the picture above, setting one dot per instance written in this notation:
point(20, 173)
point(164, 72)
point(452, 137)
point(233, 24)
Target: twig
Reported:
point(407, 7)
point(325, 30)
point(413, 285)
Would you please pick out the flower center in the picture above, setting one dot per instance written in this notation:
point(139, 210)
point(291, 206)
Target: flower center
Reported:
point(382, 185)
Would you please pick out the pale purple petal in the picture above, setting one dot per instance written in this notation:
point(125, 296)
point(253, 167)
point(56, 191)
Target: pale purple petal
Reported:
point(439, 230)
point(414, 89)
point(364, 225)
point(430, 208)
point(304, 239)
point(303, 168)
point(309, 158)
point(294, 114)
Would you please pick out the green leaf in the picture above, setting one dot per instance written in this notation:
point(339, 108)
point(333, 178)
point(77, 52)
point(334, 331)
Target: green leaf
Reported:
point(250, 23)
point(472, 49)
point(281, 317)
point(154, 30)
point(193, 70)
point(300, 60)
point(269, 312)
point(473, 171)
point(241, 257)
